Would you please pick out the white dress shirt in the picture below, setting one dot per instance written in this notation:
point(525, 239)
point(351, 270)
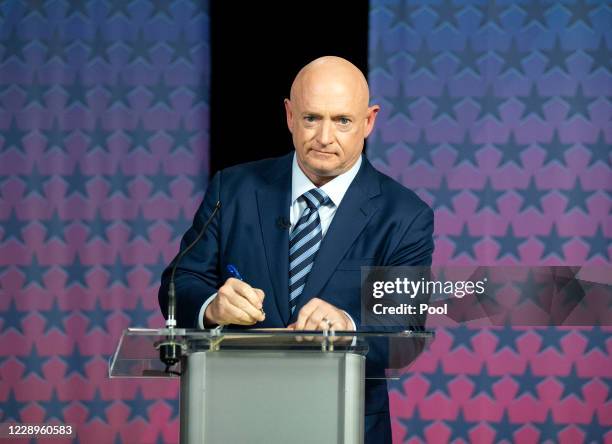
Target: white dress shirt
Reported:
point(300, 183)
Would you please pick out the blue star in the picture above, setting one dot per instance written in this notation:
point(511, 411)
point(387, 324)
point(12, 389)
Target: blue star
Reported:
point(557, 57)
point(422, 58)
point(76, 93)
point(600, 151)
point(77, 7)
point(443, 196)
point(460, 427)
point(35, 7)
point(161, 93)
point(119, 183)
point(181, 49)
point(466, 150)
point(464, 243)
point(33, 363)
point(438, 381)
point(179, 226)
point(77, 182)
point(535, 12)
point(555, 150)
point(551, 337)
point(599, 244)
point(507, 338)
point(527, 383)
point(34, 181)
point(11, 408)
point(601, 56)
point(140, 137)
point(447, 13)
point(54, 318)
point(139, 406)
point(56, 137)
point(548, 429)
point(97, 137)
point(11, 318)
point(376, 148)
point(513, 59)
point(573, 384)
point(13, 47)
point(596, 431)
point(553, 243)
point(35, 92)
point(139, 316)
point(511, 151)
point(140, 48)
point(421, 149)
point(504, 429)
point(76, 273)
point(56, 47)
point(399, 102)
point(54, 408)
point(533, 103)
point(484, 382)
point(577, 197)
point(487, 197)
point(468, 59)
point(97, 228)
point(97, 317)
point(118, 7)
point(200, 92)
point(578, 104)
point(580, 12)
point(462, 337)
point(139, 227)
point(118, 272)
point(378, 58)
point(490, 13)
point(489, 105)
point(96, 408)
point(76, 363)
point(54, 228)
point(161, 182)
point(34, 273)
point(415, 426)
point(13, 136)
point(174, 408)
point(157, 269)
point(509, 243)
point(539, 292)
point(181, 137)
point(532, 197)
point(98, 47)
point(445, 104)
point(401, 13)
point(597, 339)
point(12, 228)
point(161, 8)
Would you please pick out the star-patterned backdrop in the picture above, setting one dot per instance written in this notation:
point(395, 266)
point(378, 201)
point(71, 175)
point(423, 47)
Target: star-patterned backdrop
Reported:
point(103, 160)
point(498, 114)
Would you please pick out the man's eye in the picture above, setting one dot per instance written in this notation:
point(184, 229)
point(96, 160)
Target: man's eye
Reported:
point(310, 119)
point(344, 121)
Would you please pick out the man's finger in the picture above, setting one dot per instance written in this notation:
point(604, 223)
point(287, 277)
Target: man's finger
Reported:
point(304, 314)
point(245, 305)
point(238, 316)
point(247, 292)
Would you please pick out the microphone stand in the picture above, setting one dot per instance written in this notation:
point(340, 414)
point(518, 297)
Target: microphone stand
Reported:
point(171, 350)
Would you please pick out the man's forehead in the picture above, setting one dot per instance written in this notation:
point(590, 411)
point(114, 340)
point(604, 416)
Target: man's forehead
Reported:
point(330, 97)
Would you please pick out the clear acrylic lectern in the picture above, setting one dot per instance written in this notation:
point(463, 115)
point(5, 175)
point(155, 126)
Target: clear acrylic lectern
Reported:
point(267, 386)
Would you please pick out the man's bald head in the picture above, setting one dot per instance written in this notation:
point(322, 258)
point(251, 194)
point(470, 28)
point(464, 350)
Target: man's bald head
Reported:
point(329, 117)
point(327, 71)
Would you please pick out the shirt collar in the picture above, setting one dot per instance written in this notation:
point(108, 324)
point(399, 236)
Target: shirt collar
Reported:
point(335, 188)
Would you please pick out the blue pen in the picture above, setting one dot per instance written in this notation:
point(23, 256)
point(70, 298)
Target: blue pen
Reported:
point(233, 271)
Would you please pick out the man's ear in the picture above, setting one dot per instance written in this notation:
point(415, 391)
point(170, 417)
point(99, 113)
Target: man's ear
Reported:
point(289, 115)
point(370, 119)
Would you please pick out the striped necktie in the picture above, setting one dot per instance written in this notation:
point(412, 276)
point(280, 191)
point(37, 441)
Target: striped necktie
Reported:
point(304, 242)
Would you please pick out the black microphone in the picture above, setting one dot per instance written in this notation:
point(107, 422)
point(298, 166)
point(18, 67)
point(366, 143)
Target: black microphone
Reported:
point(169, 350)
point(283, 223)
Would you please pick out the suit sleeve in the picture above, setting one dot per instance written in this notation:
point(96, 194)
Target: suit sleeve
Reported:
point(416, 245)
point(197, 275)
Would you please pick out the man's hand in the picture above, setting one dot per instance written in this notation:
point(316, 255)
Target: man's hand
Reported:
point(320, 315)
point(236, 303)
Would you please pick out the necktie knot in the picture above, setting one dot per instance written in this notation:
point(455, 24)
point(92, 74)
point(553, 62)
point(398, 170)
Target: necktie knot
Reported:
point(315, 198)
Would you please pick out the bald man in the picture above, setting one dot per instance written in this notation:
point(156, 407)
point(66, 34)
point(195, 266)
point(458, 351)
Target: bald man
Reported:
point(300, 227)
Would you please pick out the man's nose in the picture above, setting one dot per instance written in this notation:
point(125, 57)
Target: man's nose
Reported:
point(326, 133)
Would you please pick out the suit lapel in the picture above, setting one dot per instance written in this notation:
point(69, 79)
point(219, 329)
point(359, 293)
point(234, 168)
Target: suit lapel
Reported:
point(351, 217)
point(273, 202)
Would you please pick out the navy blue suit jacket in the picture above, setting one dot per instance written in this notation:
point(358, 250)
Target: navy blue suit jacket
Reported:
point(379, 222)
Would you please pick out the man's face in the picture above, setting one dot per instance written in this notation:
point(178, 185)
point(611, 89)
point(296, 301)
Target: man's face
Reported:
point(328, 121)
